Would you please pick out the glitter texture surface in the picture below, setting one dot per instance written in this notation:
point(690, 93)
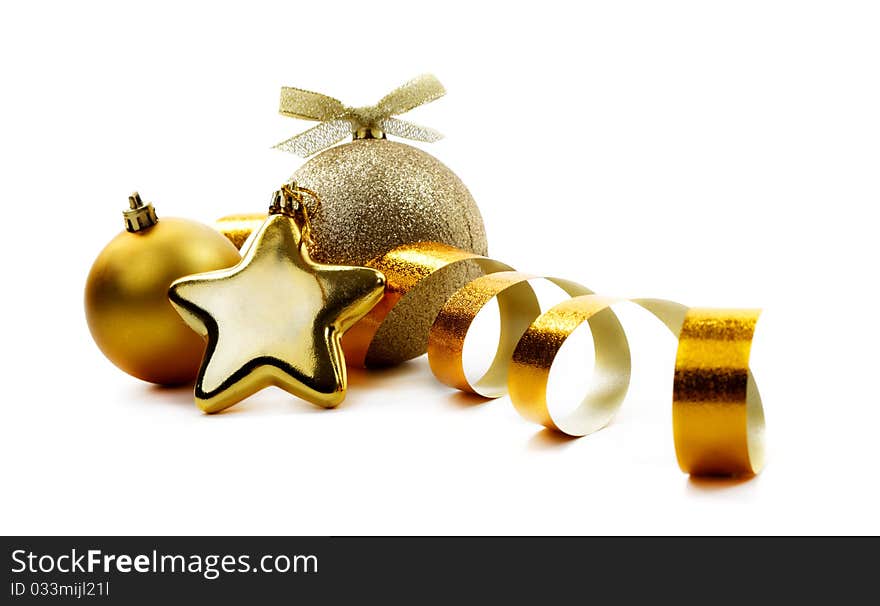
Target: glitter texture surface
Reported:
point(378, 194)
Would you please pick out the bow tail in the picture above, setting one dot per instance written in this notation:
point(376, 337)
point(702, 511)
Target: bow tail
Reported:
point(408, 130)
point(316, 138)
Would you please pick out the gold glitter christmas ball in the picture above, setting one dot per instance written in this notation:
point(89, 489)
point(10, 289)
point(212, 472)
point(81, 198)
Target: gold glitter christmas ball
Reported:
point(377, 194)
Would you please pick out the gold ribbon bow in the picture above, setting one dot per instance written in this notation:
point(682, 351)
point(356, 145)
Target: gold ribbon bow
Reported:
point(339, 121)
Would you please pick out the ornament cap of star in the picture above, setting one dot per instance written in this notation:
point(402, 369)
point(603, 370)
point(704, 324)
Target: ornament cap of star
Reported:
point(276, 318)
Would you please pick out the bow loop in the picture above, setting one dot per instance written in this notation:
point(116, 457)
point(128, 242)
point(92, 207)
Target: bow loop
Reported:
point(418, 91)
point(307, 105)
point(338, 120)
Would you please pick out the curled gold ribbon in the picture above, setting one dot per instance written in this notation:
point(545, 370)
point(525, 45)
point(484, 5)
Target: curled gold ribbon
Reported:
point(339, 120)
point(718, 418)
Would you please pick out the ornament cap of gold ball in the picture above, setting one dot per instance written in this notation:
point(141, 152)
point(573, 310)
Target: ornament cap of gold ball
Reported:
point(126, 295)
point(139, 216)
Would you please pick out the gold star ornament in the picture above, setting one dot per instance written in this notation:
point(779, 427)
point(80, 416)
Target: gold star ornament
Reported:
point(277, 317)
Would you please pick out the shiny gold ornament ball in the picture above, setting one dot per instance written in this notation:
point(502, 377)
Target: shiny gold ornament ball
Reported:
point(126, 297)
point(376, 195)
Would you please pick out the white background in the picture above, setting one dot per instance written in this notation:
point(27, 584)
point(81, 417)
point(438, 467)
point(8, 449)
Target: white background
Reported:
point(721, 154)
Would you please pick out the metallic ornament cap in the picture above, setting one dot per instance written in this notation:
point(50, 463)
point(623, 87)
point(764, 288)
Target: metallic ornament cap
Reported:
point(276, 318)
point(139, 216)
point(368, 132)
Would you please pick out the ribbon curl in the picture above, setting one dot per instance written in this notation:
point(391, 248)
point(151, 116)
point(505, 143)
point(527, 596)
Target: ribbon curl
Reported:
point(717, 415)
point(718, 420)
point(338, 120)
